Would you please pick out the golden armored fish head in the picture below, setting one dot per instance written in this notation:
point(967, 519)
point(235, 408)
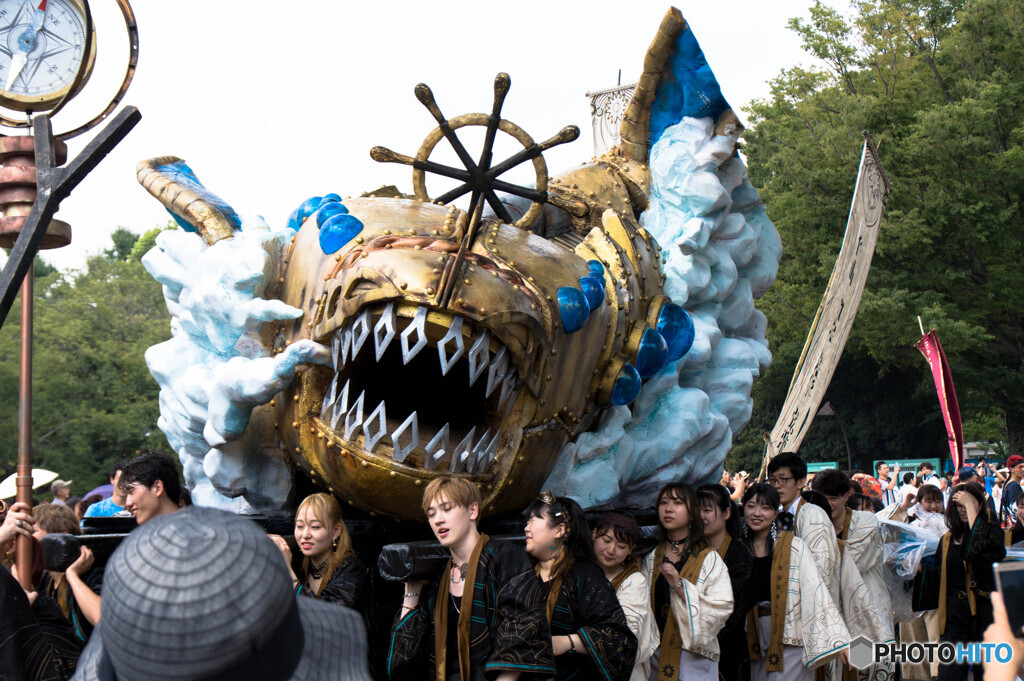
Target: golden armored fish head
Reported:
point(462, 344)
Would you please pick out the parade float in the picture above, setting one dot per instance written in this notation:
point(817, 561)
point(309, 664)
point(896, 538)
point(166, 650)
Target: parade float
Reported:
point(594, 333)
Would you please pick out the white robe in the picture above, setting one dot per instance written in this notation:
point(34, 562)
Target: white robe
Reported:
point(702, 609)
point(635, 599)
point(812, 619)
point(863, 558)
point(815, 529)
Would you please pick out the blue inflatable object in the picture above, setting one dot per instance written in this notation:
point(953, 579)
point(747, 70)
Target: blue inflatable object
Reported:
point(295, 219)
point(676, 326)
point(652, 355)
point(574, 308)
point(596, 271)
point(329, 198)
point(627, 386)
point(593, 290)
point(329, 210)
point(338, 231)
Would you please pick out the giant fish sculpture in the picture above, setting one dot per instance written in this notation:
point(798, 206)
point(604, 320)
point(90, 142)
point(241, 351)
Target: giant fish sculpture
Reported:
point(597, 336)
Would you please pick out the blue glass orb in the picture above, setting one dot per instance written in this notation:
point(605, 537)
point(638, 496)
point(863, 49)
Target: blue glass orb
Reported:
point(338, 231)
point(330, 198)
point(676, 327)
point(627, 386)
point(596, 270)
point(328, 211)
point(295, 219)
point(574, 309)
point(309, 206)
point(593, 290)
point(652, 355)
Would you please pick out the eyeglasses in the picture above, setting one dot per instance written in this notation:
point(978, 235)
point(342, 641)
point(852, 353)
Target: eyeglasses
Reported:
point(779, 480)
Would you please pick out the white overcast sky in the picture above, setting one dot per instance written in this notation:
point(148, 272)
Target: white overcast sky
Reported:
point(272, 102)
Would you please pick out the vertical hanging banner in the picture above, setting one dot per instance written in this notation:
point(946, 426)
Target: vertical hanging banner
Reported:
point(834, 319)
point(931, 348)
point(607, 108)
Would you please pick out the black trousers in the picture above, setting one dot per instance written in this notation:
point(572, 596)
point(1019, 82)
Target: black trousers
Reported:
point(963, 627)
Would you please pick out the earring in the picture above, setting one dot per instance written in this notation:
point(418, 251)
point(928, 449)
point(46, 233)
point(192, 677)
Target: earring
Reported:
point(334, 545)
point(774, 533)
point(744, 528)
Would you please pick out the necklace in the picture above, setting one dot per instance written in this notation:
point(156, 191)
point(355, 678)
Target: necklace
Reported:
point(456, 604)
point(677, 545)
point(462, 573)
point(317, 571)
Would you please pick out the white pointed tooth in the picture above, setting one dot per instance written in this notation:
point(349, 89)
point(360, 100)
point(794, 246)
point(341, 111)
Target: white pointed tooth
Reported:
point(360, 331)
point(507, 388)
point(461, 452)
point(354, 418)
point(336, 349)
point(371, 438)
point(325, 409)
point(400, 451)
point(418, 325)
point(478, 449)
point(384, 330)
point(486, 454)
point(436, 449)
point(479, 355)
point(496, 371)
point(346, 345)
point(340, 407)
point(455, 336)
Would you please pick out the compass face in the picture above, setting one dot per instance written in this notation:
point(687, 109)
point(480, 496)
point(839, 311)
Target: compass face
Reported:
point(47, 37)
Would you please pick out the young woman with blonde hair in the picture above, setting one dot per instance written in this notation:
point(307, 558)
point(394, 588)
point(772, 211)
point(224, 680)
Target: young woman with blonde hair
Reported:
point(330, 570)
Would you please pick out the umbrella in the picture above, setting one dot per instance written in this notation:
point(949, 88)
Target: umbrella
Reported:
point(40, 478)
point(103, 490)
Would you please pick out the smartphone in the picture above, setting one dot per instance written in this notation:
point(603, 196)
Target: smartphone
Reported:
point(1010, 583)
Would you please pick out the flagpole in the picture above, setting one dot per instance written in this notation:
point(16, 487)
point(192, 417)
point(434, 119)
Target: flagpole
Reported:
point(920, 325)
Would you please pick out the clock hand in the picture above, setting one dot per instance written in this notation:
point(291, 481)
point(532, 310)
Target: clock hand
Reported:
point(26, 43)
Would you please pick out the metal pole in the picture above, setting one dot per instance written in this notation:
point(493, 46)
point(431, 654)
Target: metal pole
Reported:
point(23, 482)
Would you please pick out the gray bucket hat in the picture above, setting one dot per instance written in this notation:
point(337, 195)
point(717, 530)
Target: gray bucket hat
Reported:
point(202, 594)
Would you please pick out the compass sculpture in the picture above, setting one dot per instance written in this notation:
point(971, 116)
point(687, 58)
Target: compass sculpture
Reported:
point(47, 54)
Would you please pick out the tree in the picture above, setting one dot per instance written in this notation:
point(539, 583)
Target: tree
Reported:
point(940, 86)
point(94, 400)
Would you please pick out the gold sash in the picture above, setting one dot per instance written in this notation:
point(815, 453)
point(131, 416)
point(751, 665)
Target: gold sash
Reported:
point(845, 533)
point(972, 599)
point(630, 569)
point(556, 588)
point(671, 640)
point(441, 614)
point(779, 591)
point(724, 547)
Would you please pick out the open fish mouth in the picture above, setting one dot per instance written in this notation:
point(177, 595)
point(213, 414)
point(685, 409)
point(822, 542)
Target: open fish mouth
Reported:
point(423, 388)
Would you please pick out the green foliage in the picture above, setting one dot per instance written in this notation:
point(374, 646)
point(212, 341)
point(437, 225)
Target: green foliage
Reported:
point(94, 400)
point(940, 86)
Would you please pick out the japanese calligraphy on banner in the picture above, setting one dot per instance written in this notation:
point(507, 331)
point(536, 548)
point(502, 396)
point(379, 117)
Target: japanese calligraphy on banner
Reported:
point(931, 348)
point(607, 108)
point(838, 308)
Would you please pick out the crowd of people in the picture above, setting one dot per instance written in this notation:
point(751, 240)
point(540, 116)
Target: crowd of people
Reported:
point(744, 581)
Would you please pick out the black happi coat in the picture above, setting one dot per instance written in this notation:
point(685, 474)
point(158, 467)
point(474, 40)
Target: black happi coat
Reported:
point(982, 546)
point(64, 598)
point(508, 629)
point(348, 584)
point(587, 606)
point(732, 640)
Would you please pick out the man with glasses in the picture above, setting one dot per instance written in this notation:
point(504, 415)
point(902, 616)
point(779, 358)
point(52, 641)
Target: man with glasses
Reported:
point(787, 473)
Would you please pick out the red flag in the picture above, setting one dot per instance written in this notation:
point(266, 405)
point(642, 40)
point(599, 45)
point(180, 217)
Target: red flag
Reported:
point(931, 348)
